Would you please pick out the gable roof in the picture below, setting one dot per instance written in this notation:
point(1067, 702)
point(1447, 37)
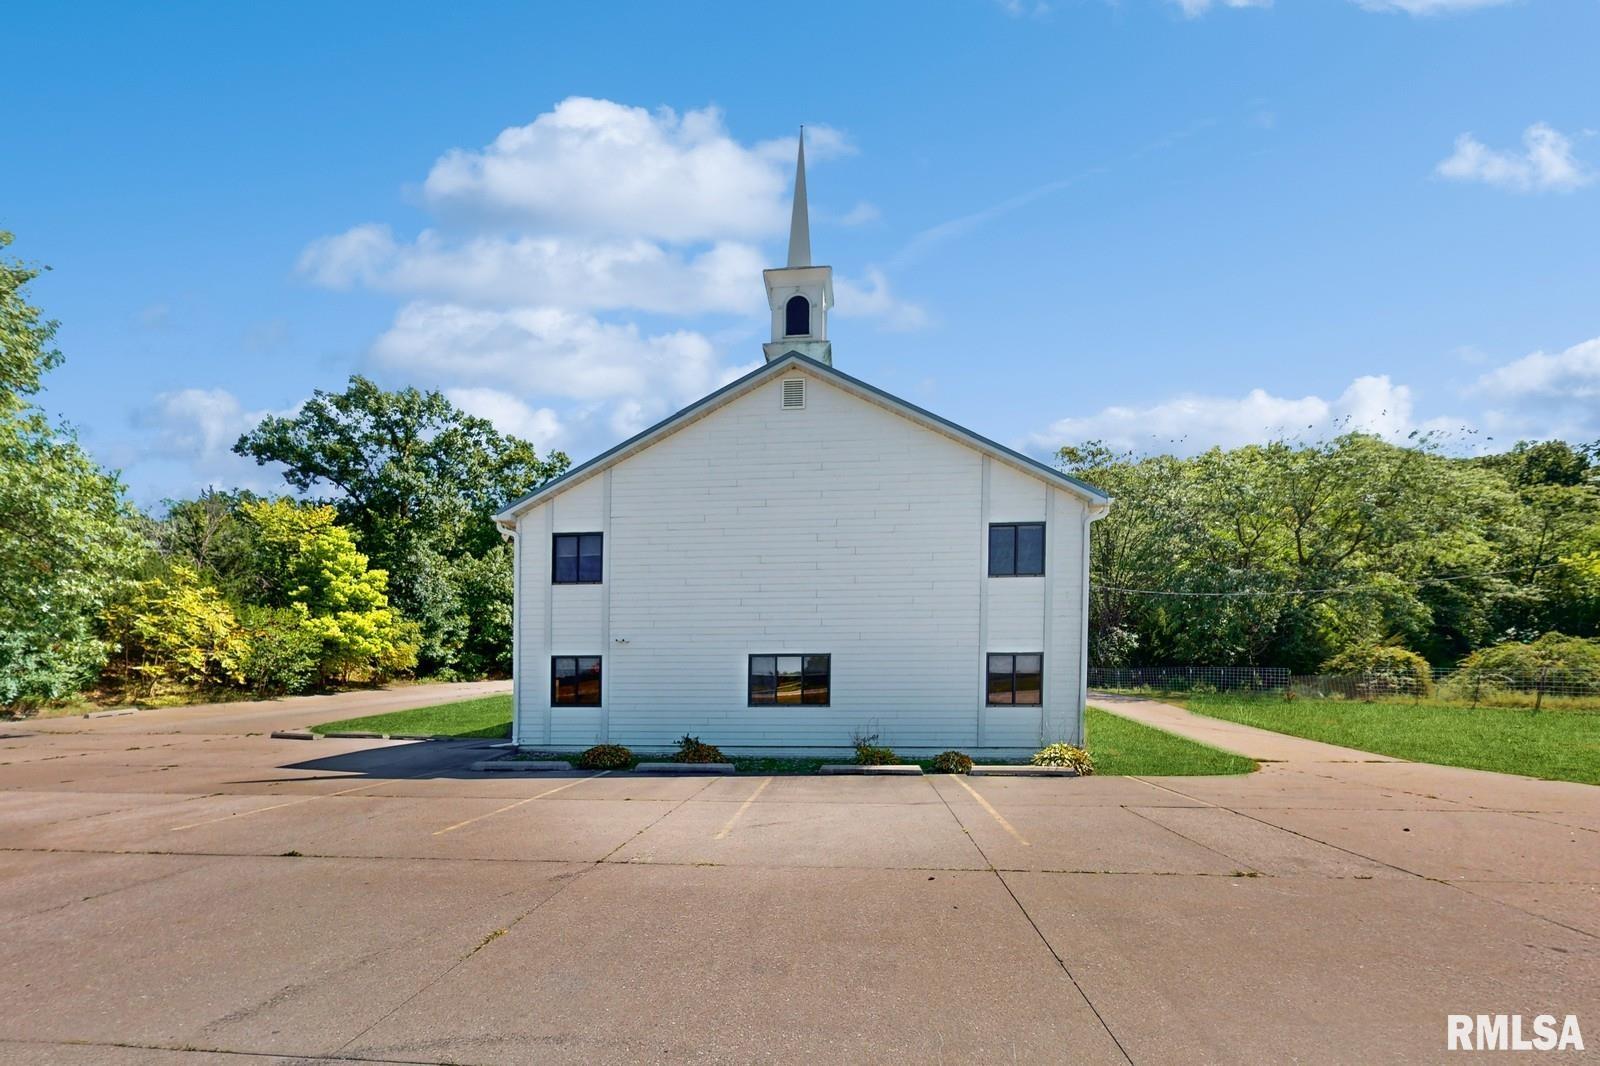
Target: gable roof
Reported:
point(738, 387)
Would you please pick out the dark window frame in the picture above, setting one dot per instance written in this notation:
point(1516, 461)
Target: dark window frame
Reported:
point(989, 674)
point(750, 679)
point(555, 559)
point(578, 699)
point(789, 322)
point(1015, 527)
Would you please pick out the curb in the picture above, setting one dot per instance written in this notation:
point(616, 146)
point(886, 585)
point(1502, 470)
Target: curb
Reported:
point(351, 735)
point(118, 713)
point(293, 734)
point(684, 768)
point(895, 770)
point(526, 766)
point(1022, 771)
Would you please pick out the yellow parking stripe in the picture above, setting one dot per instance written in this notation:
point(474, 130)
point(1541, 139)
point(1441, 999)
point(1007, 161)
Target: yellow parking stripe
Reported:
point(996, 815)
point(725, 830)
point(276, 806)
point(511, 806)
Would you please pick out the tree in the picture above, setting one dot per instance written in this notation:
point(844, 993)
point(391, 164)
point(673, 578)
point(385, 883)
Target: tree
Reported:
point(211, 536)
point(417, 480)
point(309, 564)
point(68, 540)
point(174, 629)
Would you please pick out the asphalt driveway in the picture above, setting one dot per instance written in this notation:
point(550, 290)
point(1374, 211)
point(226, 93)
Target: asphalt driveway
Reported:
point(173, 889)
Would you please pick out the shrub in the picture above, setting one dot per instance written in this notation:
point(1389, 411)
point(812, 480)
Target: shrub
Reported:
point(952, 762)
point(1064, 755)
point(281, 654)
point(1555, 659)
point(690, 749)
point(1383, 669)
point(870, 753)
point(605, 757)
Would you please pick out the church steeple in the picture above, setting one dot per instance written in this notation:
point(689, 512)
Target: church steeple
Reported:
point(800, 294)
point(799, 220)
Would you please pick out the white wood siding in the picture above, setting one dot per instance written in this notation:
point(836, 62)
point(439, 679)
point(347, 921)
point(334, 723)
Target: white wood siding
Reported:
point(841, 528)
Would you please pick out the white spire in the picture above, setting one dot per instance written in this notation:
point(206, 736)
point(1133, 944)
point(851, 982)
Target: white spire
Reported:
point(800, 221)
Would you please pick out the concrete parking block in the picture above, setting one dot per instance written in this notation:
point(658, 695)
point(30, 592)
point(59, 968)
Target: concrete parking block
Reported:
point(757, 966)
point(696, 768)
point(851, 769)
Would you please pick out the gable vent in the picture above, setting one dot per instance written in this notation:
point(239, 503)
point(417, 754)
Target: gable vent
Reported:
point(794, 393)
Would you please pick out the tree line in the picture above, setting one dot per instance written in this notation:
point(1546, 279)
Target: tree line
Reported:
point(1302, 555)
point(379, 559)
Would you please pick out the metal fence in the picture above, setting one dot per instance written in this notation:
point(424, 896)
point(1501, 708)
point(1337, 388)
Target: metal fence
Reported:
point(1467, 687)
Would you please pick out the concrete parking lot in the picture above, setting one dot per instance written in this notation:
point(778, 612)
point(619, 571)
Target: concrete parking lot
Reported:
point(176, 887)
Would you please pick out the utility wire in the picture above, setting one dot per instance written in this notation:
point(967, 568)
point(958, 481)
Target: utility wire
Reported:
point(1340, 590)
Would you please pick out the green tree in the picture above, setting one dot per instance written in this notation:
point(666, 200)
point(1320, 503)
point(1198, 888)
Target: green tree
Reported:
point(177, 631)
point(418, 480)
point(309, 563)
point(210, 535)
point(68, 539)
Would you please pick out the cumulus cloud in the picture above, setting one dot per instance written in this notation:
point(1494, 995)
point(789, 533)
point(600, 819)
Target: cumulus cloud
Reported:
point(550, 239)
point(185, 441)
point(1193, 423)
point(1545, 395)
point(1545, 163)
point(541, 426)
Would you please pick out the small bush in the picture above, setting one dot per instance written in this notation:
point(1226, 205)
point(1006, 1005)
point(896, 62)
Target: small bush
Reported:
point(605, 757)
point(690, 749)
point(1064, 755)
point(952, 762)
point(1383, 670)
point(1552, 661)
point(870, 753)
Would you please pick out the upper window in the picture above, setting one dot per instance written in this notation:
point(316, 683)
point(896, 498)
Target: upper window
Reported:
point(778, 679)
point(1016, 549)
point(1015, 679)
point(577, 559)
point(575, 681)
point(797, 317)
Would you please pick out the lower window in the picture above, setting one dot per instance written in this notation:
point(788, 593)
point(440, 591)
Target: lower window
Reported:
point(776, 679)
point(575, 681)
point(1016, 679)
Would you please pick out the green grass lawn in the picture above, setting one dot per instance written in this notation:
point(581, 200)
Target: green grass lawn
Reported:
point(1122, 746)
point(487, 716)
point(1119, 746)
point(1558, 745)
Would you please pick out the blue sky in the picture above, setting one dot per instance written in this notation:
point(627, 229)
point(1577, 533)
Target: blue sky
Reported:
point(1149, 221)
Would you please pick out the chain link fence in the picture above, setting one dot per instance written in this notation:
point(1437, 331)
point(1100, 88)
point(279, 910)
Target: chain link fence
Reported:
point(1470, 688)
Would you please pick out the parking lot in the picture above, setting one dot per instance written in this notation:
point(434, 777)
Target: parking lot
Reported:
point(176, 889)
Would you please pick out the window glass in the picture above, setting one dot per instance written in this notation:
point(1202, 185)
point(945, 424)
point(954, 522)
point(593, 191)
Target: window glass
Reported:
point(1030, 549)
point(763, 679)
point(814, 684)
point(589, 556)
point(578, 558)
point(1000, 673)
point(789, 682)
point(1002, 550)
point(789, 679)
point(1016, 679)
point(1030, 681)
point(575, 681)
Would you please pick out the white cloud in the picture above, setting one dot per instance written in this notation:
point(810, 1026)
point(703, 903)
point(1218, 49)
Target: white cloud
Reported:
point(1545, 163)
point(870, 298)
point(186, 443)
point(542, 427)
point(1429, 7)
point(597, 167)
point(198, 422)
point(1193, 423)
point(545, 351)
point(1544, 395)
point(1195, 8)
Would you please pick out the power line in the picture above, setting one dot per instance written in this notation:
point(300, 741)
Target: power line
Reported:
point(1339, 590)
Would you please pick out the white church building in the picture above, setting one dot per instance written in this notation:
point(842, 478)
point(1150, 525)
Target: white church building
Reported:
point(797, 558)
